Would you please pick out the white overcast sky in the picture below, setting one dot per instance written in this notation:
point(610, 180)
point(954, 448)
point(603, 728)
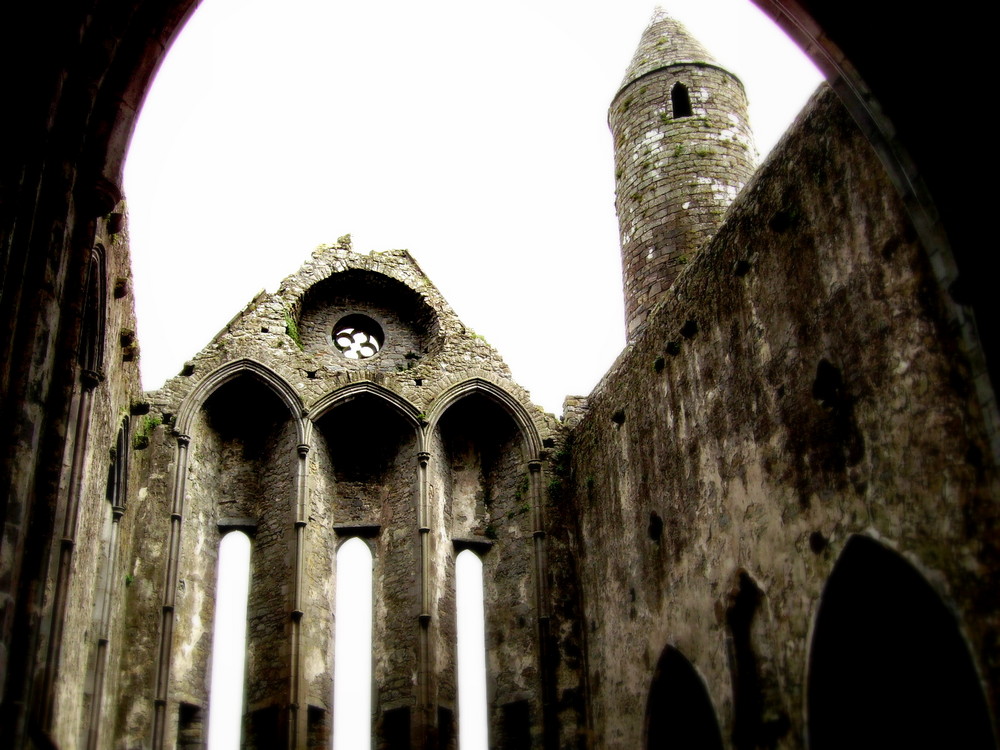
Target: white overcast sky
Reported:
point(473, 134)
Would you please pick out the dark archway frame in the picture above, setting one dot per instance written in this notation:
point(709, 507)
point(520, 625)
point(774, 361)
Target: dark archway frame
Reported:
point(82, 72)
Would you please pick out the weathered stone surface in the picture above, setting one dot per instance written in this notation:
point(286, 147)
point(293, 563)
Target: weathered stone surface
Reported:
point(764, 417)
point(277, 385)
point(683, 150)
point(802, 391)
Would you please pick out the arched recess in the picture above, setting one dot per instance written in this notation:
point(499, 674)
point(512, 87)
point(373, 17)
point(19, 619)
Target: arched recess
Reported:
point(92, 338)
point(116, 495)
point(680, 101)
point(363, 468)
point(71, 504)
point(402, 407)
point(888, 664)
point(470, 647)
point(514, 408)
point(235, 369)
point(483, 495)
point(242, 471)
point(679, 711)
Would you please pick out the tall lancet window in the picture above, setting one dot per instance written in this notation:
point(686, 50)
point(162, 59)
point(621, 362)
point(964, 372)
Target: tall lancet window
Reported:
point(229, 643)
point(472, 733)
point(352, 678)
point(680, 101)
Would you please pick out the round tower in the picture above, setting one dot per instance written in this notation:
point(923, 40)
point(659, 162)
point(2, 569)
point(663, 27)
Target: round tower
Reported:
point(683, 150)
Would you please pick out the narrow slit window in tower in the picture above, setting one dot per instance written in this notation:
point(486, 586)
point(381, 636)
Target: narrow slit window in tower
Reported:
point(680, 101)
point(352, 677)
point(229, 637)
point(472, 732)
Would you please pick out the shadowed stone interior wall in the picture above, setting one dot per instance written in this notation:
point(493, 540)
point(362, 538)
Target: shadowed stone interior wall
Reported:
point(143, 563)
point(798, 385)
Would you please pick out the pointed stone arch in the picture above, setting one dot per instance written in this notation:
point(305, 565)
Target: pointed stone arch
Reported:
point(679, 710)
point(360, 389)
point(230, 371)
point(888, 663)
point(91, 354)
point(502, 397)
point(233, 473)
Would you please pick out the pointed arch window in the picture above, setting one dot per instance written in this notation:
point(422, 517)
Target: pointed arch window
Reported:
point(680, 101)
point(888, 661)
point(91, 353)
point(229, 643)
point(352, 677)
point(472, 724)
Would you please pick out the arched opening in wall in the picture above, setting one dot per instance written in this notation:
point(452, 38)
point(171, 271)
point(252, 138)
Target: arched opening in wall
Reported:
point(365, 454)
point(229, 644)
point(368, 450)
point(482, 475)
point(352, 682)
point(680, 101)
point(679, 711)
point(358, 314)
point(241, 473)
point(472, 729)
point(486, 485)
point(889, 666)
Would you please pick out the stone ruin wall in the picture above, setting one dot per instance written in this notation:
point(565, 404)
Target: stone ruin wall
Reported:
point(481, 485)
point(362, 474)
point(799, 385)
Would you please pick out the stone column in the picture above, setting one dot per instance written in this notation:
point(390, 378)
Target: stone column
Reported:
point(170, 594)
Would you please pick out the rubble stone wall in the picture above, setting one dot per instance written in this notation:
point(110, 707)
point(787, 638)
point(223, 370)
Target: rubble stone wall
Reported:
point(799, 385)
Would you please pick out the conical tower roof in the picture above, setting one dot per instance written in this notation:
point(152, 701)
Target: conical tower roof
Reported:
point(665, 42)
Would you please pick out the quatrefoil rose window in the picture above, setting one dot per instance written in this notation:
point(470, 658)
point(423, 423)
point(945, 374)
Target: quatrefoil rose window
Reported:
point(358, 337)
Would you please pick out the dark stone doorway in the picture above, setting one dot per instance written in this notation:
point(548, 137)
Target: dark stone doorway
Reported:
point(679, 713)
point(889, 667)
